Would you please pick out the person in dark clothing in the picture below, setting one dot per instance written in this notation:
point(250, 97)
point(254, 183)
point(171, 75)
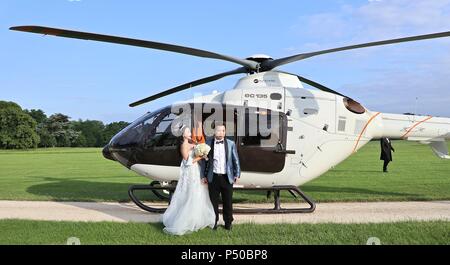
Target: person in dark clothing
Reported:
point(386, 154)
point(221, 171)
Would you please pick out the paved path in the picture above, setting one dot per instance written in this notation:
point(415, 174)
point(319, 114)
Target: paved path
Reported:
point(352, 212)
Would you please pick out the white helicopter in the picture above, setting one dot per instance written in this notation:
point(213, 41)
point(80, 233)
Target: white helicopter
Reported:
point(310, 130)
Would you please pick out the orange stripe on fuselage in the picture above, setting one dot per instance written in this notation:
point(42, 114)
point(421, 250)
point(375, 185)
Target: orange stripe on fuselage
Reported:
point(364, 129)
point(415, 125)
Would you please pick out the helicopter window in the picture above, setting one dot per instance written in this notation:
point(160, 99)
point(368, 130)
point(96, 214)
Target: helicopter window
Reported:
point(341, 124)
point(164, 125)
point(131, 135)
point(162, 134)
point(149, 122)
point(266, 134)
point(262, 143)
point(359, 126)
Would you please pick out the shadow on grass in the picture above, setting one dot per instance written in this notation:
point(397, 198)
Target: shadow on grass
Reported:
point(311, 189)
point(91, 191)
point(86, 191)
point(356, 170)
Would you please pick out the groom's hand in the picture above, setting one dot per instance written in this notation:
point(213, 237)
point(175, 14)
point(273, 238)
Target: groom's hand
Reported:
point(204, 180)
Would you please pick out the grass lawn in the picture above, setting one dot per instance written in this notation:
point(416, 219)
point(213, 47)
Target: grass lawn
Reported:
point(44, 232)
point(82, 174)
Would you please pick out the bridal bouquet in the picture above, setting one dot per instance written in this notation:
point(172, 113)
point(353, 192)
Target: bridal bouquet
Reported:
point(201, 150)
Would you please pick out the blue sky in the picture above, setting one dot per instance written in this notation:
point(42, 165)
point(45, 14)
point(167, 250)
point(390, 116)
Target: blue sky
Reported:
point(91, 80)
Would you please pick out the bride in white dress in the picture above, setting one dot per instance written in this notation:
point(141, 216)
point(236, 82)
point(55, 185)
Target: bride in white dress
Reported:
point(190, 208)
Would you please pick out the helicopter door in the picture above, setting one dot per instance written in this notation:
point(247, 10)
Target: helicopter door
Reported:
point(262, 149)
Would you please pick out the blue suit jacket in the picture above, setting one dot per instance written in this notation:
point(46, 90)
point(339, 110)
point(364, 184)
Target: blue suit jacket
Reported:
point(233, 168)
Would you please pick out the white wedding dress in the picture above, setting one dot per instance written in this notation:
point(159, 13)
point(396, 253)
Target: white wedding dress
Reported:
point(190, 208)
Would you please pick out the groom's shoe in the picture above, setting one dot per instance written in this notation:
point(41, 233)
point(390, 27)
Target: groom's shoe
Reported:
point(215, 227)
point(228, 227)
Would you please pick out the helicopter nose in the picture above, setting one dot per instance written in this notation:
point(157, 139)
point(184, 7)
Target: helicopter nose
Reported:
point(107, 153)
point(120, 151)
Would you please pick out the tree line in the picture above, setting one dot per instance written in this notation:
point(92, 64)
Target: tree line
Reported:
point(22, 128)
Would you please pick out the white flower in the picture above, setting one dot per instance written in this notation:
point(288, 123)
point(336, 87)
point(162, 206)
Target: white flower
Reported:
point(201, 150)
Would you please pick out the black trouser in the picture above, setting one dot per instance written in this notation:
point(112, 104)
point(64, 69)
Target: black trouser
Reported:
point(221, 185)
point(385, 164)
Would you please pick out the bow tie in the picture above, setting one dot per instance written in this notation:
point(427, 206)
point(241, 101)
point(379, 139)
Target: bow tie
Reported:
point(219, 142)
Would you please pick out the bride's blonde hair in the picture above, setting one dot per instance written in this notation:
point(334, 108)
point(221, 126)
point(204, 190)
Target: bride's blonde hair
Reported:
point(181, 138)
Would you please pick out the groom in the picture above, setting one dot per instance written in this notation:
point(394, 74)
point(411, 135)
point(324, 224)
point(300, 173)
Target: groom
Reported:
point(221, 171)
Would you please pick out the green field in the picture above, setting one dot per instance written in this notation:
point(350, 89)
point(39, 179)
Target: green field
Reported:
point(42, 232)
point(82, 174)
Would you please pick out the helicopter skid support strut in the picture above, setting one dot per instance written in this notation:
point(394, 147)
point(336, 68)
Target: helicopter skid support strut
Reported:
point(293, 190)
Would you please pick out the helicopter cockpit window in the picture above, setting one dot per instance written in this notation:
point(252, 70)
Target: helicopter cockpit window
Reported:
point(133, 133)
point(161, 134)
point(260, 129)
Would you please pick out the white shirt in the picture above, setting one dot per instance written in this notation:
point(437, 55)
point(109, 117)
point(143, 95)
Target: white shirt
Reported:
point(219, 158)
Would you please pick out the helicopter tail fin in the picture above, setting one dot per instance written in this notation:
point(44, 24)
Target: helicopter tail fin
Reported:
point(439, 146)
point(440, 149)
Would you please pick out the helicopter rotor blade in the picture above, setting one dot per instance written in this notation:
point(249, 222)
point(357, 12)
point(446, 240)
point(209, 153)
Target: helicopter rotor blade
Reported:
point(134, 42)
point(269, 65)
point(240, 70)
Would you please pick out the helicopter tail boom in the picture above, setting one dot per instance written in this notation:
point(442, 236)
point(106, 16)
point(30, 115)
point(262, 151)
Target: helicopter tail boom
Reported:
point(434, 131)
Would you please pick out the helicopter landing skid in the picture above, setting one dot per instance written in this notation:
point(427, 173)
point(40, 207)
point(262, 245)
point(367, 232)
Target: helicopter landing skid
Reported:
point(293, 190)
